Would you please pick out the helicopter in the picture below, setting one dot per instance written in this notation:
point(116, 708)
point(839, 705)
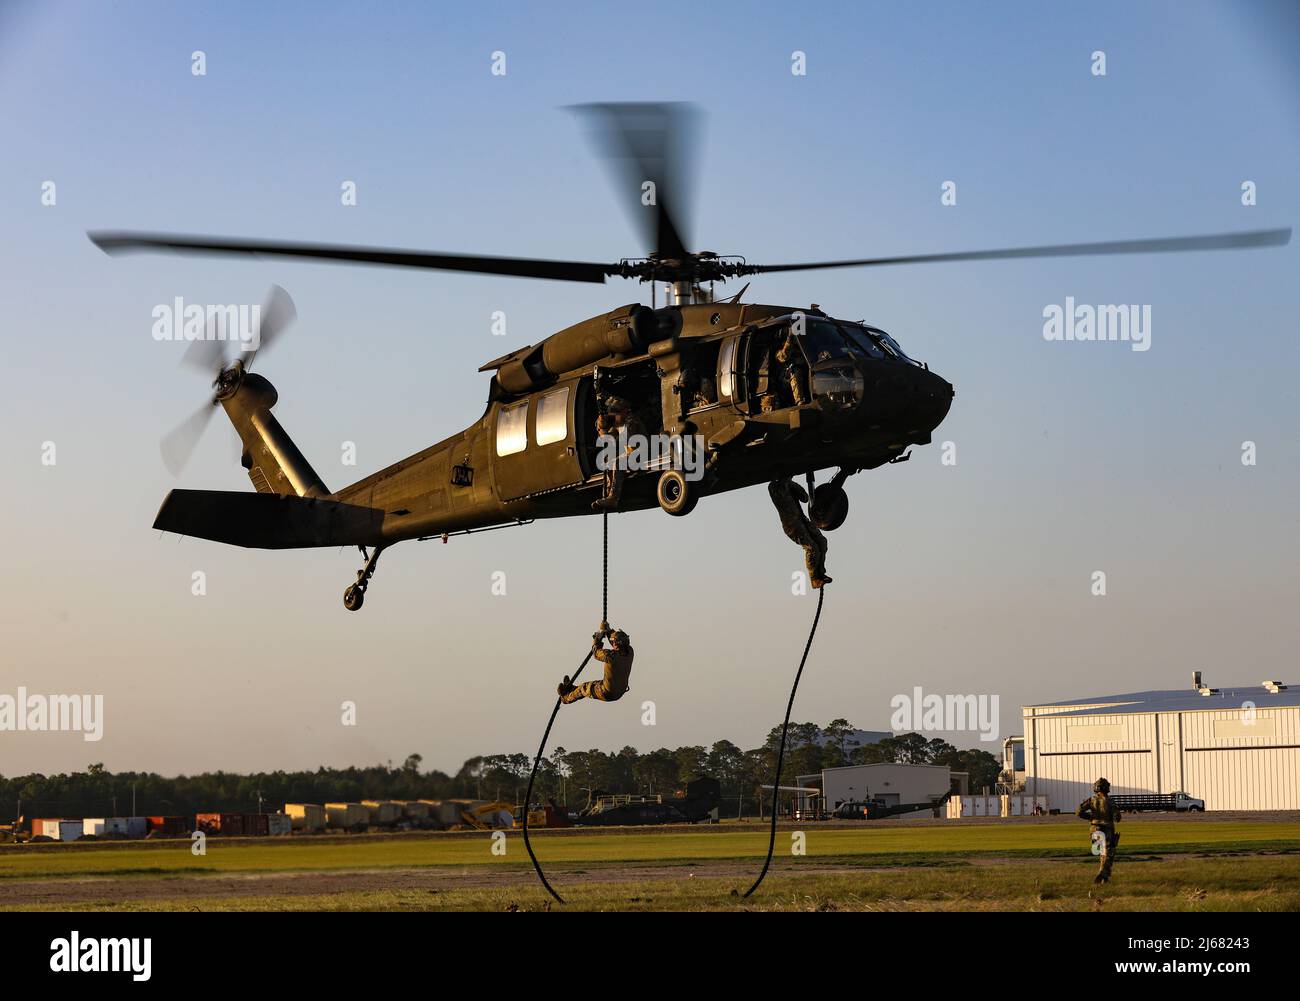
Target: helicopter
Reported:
point(714, 380)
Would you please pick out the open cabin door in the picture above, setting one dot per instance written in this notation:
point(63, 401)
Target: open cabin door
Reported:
point(539, 443)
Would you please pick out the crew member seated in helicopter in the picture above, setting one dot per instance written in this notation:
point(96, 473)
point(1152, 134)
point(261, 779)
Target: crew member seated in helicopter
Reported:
point(619, 422)
point(706, 394)
point(618, 668)
point(788, 498)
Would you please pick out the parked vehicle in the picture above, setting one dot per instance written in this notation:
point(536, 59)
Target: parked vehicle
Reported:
point(1140, 802)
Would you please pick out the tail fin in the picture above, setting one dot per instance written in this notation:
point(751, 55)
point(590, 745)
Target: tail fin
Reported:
point(273, 461)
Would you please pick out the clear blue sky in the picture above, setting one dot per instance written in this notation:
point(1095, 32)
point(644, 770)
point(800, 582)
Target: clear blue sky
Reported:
point(973, 578)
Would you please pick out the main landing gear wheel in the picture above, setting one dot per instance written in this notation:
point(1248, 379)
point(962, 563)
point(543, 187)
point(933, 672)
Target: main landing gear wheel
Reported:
point(830, 507)
point(676, 494)
point(354, 597)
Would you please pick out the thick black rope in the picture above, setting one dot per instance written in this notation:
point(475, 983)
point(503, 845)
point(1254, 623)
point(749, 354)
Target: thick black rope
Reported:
point(604, 617)
point(780, 756)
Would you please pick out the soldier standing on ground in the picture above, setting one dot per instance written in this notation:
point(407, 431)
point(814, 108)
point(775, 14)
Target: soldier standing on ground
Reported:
point(1102, 816)
point(788, 497)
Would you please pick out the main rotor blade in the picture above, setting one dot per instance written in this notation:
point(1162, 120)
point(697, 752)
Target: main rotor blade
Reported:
point(519, 267)
point(656, 143)
point(179, 444)
point(1215, 241)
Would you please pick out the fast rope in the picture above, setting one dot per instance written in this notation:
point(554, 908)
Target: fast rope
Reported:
point(604, 617)
point(780, 755)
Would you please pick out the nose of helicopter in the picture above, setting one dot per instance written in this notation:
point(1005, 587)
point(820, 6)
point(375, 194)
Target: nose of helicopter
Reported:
point(910, 398)
point(931, 398)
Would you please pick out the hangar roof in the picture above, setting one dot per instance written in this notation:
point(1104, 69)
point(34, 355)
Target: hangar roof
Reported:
point(1179, 700)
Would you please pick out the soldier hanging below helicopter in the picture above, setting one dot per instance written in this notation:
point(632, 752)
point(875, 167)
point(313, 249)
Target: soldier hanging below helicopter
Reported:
point(788, 498)
point(618, 669)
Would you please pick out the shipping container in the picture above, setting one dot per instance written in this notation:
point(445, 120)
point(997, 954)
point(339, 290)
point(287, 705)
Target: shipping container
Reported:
point(344, 816)
point(104, 826)
point(230, 825)
point(443, 812)
point(66, 830)
point(168, 827)
point(136, 827)
point(382, 812)
point(306, 816)
point(415, 811)
point(278, 824)
point(256, 825)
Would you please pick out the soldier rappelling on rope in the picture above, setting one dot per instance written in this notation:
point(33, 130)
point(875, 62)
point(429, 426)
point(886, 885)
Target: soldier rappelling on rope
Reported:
point(789, 498)
point(617, 659)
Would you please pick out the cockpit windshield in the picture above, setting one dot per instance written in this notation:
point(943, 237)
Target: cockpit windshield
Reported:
point(835, 340)
point(874, 341)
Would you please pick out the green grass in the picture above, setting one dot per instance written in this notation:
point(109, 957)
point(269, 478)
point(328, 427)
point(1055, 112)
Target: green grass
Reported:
point(865, 846)
point(1172, 884)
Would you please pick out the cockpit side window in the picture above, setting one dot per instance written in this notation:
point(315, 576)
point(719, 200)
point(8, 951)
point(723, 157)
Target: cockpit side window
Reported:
point(824, 342)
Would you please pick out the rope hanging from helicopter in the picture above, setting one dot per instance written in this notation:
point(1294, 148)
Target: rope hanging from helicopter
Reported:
point(604, 617)
point(780, 757)
point(785, 728)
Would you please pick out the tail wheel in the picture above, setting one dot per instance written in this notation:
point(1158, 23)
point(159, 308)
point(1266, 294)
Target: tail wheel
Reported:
point(676, 494)
point(353, 597)
point(830, 507)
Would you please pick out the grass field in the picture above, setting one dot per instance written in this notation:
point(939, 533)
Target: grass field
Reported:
point(1165, 864)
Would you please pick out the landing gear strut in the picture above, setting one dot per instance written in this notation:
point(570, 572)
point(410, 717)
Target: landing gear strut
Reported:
point(355, 595)
point(830, 503)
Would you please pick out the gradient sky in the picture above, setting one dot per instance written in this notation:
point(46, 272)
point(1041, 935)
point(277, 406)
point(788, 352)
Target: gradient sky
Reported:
point(973, 578)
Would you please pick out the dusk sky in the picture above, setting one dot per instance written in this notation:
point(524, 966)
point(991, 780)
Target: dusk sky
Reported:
point(971, 578)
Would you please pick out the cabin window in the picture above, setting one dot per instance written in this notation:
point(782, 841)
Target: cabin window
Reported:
point(553, 416)
point(512, 429)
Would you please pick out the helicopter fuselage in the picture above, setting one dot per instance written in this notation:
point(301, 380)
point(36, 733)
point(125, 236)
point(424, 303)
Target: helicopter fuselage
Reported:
point(706, 372)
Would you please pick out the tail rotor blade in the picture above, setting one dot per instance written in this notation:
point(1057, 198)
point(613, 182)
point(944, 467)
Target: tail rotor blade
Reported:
point(207, 356)
point(278, 313)
point(178, 445)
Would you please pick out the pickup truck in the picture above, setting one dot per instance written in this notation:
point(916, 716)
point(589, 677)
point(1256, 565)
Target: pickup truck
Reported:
point(1138, 802)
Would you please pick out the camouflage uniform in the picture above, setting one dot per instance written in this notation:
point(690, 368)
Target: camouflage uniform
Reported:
point(788, 497)
point(1102, 815)
point(611, 424)
point(613, 686)
point(789, 356)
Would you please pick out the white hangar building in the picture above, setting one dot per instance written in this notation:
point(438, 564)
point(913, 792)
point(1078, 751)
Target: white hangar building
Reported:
point(1235, 748)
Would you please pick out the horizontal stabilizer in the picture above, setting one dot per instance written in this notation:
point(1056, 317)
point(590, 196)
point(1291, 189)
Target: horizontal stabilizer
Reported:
point(268, 521)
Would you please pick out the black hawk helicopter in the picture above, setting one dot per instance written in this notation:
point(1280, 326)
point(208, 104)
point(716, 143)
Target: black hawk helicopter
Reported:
point(707, 379)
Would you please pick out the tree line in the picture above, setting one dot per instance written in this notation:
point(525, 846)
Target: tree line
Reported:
point(564, 776)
